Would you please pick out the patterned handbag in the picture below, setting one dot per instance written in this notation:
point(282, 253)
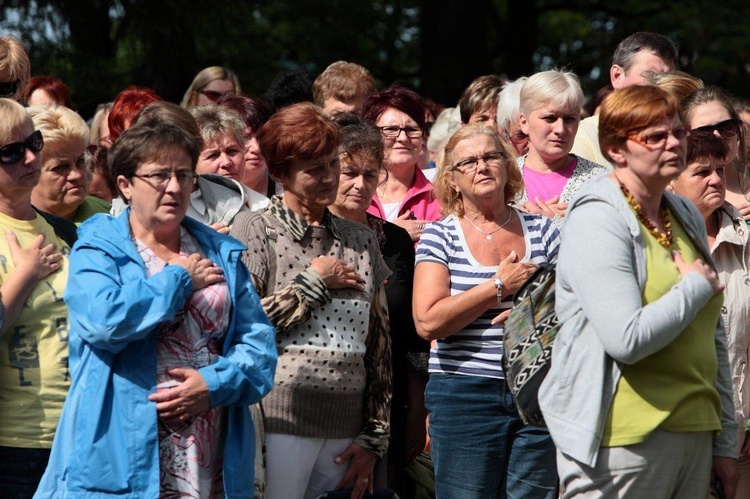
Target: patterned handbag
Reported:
point(529, 333)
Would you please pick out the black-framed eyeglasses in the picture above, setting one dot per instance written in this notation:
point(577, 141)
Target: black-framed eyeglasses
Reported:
point(469, 165)
point(13, 153)
point(161, 179)
point(726, 128)
point(211, 95)
point(9, 88)
point(658, 139)
point(392, 131)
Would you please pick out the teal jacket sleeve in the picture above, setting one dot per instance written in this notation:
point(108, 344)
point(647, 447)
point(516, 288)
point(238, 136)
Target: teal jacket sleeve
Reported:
point(112, 302)
point(244, 374)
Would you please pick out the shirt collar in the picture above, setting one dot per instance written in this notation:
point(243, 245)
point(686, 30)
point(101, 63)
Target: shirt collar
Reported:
point(296, 225)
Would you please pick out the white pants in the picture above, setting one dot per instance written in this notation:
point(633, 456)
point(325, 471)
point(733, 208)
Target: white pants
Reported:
point(302, 467)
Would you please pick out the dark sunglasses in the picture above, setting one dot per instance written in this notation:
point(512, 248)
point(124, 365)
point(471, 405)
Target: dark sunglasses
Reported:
point(211, 95)
point(726, 128)
point(13, 153)
point(8, 88)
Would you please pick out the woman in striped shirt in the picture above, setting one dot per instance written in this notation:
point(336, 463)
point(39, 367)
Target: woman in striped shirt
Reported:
point(468, 266)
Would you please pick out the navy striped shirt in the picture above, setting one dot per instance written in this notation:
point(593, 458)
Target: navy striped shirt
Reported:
point(478, 348)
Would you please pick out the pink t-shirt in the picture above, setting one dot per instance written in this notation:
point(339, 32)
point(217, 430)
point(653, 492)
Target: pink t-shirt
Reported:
point(547, 185)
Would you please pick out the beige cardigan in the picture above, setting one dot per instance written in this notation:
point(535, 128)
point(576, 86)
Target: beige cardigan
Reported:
point(731, 253)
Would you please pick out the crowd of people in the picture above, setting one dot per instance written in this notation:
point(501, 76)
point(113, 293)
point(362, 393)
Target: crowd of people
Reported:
point(305, 295)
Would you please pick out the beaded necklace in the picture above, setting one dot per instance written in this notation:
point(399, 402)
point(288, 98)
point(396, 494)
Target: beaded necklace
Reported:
point(663, 238)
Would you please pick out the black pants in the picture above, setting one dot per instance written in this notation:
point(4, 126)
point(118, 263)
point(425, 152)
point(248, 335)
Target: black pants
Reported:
point(21, 470)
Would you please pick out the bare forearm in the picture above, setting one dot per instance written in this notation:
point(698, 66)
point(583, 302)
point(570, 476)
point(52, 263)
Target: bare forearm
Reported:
point(453, 313)
point(15, 290)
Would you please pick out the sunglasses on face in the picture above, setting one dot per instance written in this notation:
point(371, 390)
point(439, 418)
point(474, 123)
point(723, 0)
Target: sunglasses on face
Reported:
point(211, 95)
point(726, 128)
point(8, 88)
point(13, 153)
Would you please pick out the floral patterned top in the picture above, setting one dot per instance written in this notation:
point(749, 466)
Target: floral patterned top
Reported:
point(190, 456)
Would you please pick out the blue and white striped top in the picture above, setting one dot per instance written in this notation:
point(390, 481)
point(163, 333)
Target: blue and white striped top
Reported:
point(478, 348)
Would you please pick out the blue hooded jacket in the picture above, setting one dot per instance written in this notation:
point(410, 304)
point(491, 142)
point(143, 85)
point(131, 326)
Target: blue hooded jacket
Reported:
point(106, 444)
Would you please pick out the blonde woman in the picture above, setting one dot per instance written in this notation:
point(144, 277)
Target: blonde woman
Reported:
point(208, 85)
point(63, 184)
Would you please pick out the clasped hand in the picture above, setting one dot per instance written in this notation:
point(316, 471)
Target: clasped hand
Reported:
point(178, 406)
point(203, 271)
point(513, 274)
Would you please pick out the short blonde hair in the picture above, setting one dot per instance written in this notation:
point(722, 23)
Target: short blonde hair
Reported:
point(561, 89)
point(451, 200)
point(14, 63)
point(203, 78)
point(14, 118)
point(678, 83)
point(59, 125)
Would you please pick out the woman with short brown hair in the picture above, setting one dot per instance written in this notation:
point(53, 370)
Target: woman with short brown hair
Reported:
point(321, 280)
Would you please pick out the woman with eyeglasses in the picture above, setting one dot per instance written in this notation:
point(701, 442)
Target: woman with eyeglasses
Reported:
point(638, 398)
point(468, 267)
point(208, 85)
point(550, 110)
point(508, 105)
point(709, 111)
point(404, 195)
point(34, 250)
point(704, 183)
point(169, 344)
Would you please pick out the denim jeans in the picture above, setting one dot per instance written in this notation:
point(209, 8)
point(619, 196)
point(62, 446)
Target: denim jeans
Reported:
point(21, 471)
point(480, 447)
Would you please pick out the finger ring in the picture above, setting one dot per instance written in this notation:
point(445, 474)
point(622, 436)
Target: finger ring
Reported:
point(420, 226)
point(365, 480)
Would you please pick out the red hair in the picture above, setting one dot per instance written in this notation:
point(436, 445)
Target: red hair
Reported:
point(126, 107)
point(54, 87)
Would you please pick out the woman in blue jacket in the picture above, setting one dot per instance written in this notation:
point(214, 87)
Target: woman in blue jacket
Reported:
point(168, 342)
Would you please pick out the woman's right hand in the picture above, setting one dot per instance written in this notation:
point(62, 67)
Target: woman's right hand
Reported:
point(337, 274)
point(202, 271)
point(513, 273)
point(700, 268)
point(38, 260)
point(413, 227)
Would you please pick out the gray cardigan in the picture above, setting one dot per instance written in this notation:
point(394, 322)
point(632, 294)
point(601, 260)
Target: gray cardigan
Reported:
point(601, 271)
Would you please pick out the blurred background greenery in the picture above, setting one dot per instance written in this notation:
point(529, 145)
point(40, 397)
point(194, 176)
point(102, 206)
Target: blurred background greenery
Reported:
point(98, 47)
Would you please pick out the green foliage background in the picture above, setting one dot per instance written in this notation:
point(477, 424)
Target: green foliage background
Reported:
point(100, 46)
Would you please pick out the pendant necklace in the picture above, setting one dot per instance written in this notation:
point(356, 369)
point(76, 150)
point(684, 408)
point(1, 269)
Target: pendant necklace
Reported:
point(488, 235)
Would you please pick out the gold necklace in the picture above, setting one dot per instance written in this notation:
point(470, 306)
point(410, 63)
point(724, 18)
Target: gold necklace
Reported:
point(663, 238)
point(488, 235)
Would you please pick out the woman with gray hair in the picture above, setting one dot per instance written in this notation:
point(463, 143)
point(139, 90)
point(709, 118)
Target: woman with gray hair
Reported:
point(550, 111)
point(508, 105)
point(221, 163)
